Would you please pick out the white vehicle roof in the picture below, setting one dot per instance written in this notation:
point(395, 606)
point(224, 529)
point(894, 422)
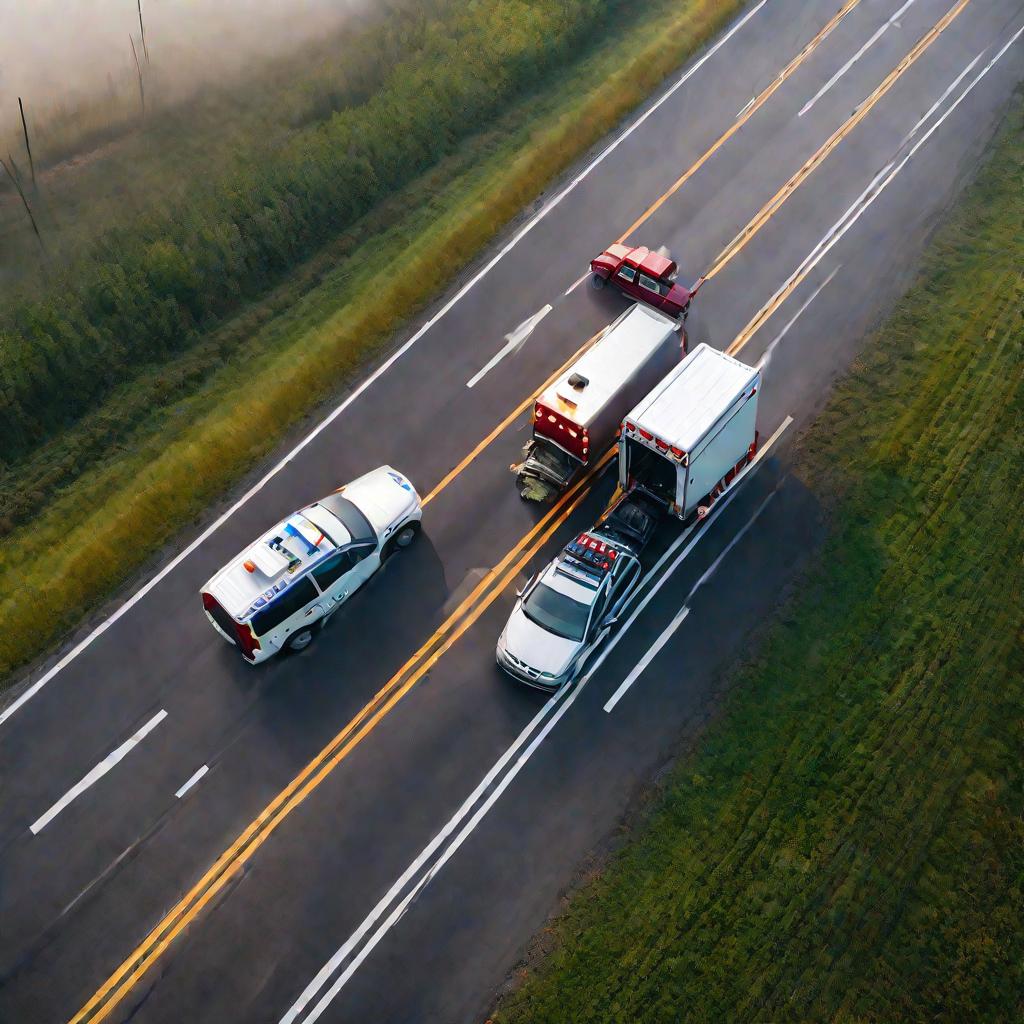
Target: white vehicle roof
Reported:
point(563, 584)
point(626, 347)
point(277, 559)
point(693, 397)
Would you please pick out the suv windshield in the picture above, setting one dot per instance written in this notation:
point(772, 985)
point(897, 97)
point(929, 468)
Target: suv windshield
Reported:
point(556, 613)
point(354, 520)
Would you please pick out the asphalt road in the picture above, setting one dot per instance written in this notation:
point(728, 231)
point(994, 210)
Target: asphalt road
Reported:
point(425, 858)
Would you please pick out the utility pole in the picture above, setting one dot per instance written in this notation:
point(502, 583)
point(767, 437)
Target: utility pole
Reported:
point(142, 29)
point(28, 148)
point(138, 68)
point(24, 200)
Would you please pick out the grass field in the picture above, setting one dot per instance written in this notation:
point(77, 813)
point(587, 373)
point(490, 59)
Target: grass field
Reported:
point(847, 842)
point(83, 511)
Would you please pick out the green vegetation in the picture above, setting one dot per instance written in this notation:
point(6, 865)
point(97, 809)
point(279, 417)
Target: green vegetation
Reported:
point(107, 490)
point(847, 843)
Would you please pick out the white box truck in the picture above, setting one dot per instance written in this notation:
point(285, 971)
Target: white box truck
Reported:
point(692, 434)
point(576, 419)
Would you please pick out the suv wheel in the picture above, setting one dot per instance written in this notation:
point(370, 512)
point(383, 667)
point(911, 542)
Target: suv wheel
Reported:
point(301, 640)
point(401, 540)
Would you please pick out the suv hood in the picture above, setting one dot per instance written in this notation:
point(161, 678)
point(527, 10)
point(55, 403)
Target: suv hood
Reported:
point(535, 646)
point(383, 495)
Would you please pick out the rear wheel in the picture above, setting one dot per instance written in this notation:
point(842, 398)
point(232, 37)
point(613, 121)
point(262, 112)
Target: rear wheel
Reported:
point(301, 640)
point(597, 281)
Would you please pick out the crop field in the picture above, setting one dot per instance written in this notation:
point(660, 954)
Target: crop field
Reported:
point(129, 361)
point(847, 842)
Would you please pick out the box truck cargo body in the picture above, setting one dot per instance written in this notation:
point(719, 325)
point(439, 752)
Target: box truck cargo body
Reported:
point(575, 420)
point(684, 442)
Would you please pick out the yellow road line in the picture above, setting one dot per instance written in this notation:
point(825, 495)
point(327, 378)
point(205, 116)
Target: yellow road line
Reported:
point(747, 114)
point(117, 986)
point(513, 415)
point(821, 154)
point(110, 994)
point(759, 102)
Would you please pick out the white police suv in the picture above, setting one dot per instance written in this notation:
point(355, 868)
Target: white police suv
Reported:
point(281, 590)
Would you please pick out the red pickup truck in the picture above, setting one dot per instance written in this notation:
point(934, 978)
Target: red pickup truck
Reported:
point(644, 275)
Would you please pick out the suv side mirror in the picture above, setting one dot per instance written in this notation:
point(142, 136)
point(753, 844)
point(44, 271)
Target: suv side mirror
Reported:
point(608, 621)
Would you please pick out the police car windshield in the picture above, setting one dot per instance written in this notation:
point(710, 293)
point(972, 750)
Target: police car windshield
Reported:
point(556, 612)
point(354, 520)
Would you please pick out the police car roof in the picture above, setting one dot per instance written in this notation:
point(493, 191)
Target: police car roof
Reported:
point(267, 568)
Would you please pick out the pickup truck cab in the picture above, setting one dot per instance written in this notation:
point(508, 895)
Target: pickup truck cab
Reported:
point(567, 610)
point(281, 590)
point(644, 275)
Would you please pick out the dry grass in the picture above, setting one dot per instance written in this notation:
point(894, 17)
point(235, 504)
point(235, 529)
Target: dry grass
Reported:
point(56, 570)
point(848, 843)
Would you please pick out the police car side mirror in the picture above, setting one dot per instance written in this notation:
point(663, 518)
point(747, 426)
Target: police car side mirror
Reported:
point(524, 588)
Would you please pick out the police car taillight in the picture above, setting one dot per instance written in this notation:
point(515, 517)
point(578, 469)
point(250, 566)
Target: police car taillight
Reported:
point(247, 643)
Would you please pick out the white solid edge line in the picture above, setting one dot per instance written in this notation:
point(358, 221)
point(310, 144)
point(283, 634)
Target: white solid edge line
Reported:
point(289, 1018)
point(716, 510)
point(97, 773)
point(345, 950)
point(569, 692)
point(192, 781)
point(766, 356)
point(888, 173)
point(938, 103)
point(468, 828)
point(383, 368)
point(853, 60)
point(638, 670)
point(651, 654)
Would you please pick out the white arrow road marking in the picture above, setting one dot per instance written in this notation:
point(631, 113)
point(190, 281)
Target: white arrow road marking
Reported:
point(32, 690)
point(514, 342)
point(853, 60)
point(97, 773)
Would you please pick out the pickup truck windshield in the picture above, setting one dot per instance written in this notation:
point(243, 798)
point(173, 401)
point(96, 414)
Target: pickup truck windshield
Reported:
point(556, 613)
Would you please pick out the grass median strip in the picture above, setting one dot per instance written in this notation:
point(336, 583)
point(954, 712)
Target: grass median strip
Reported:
point(98, 530)
point(846, 842)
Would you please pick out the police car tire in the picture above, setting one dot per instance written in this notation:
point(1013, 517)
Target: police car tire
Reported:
point(311, 630)
point(406, 535)
point(401, 540)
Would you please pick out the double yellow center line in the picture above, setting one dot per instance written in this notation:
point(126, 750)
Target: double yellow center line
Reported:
point(117, 986)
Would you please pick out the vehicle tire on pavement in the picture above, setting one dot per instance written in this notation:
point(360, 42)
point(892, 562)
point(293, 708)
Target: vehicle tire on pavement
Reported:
point(401, 540)
point(597, 281)
point(303, 638)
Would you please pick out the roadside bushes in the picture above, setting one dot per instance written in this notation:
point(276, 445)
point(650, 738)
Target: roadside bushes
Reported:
point(146, 291)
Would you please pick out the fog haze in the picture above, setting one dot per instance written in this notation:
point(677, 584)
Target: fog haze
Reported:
point(58, 52)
